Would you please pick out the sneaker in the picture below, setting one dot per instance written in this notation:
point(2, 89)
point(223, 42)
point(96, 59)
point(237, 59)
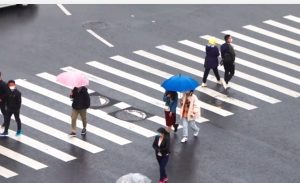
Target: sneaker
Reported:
point(219, 82)
point(18, 133)
point(83, 132)
point(184, 139)
point(196, 133)
point(4, 134)
point(204, 85)
point(72, 134)
point(176, 127)
point(224, 85)
point(165, 179)
point(161, 181)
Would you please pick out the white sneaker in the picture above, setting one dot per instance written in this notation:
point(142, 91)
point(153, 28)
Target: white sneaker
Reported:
point(184, 139)
point(204, 85)
point(196, 133)
point(224, 85)
point(219, 82)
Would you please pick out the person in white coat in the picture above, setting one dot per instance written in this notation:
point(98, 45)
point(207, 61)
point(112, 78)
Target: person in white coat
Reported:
point(189, 112)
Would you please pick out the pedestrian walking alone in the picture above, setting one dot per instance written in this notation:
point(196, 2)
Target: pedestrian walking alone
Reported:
point(171, 99)
point(189, 112)
point(211, 60)
point(228, 58)
point(161, 145)
point(3, 94)
point(13, 105)
point(81, 102)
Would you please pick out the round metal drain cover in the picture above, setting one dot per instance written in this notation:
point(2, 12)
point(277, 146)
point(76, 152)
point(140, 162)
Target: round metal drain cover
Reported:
point(98, 101)
point(131, 115)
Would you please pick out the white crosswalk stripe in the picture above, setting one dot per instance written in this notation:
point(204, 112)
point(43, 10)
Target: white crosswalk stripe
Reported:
point(98, 113)
point(125, 90)
point(149, 84)
point(273, 35)
point(293, 18)
point(259, 55)
point(21, 158)
point(283, 26)
point(240, 74)
point(4, 172)
point(249, 64)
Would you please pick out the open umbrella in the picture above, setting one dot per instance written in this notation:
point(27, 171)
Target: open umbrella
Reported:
point(133, 178)
point(180, 83)
point(73, 79)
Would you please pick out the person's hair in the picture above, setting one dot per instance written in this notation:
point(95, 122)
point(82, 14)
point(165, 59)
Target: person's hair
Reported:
point(226, 37)
point(173, 94)
point(11, 81)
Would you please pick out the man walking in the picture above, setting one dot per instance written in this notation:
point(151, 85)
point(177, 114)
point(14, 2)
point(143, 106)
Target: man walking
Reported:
point(3, 93)
point(81, 102)
point(13, 104)
point(228, 58)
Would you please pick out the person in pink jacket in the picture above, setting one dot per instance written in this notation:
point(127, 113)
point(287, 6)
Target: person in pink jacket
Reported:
point(189, 112)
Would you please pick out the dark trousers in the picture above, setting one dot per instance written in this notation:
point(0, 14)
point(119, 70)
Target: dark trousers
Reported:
point(8, 117)
point(229, 72)
point(206, 72)
point(3, 111)
point(162, 161)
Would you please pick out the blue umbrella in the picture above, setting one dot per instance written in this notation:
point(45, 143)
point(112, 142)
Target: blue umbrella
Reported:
point(180, 83)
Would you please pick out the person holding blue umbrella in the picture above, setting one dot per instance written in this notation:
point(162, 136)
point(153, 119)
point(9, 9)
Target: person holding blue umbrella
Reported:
point(189, 112)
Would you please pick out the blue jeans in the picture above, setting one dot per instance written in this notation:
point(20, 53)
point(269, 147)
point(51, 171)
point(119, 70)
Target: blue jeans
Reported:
point(185, 125)
point(162, 161)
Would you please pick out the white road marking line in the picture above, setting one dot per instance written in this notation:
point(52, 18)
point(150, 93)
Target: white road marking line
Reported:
point(4, 172)
point(124, 90)
point(21, 158)
point(263, 44)
point(260, 55)
point(273, 35)
point(239, 74)
point(99, 38)
point(60, 135)
point(41, 147)
point(122, 105)
point(249, 64)
point(64, 9)
point(96, 112)
point(293, 18)
point(283, 26)
point(197, 72)
point(150, 84)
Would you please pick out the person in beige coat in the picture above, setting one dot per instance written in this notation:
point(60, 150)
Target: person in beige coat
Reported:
point(189, 112)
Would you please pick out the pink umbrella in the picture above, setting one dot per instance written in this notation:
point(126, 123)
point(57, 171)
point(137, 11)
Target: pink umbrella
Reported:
point(73, 79)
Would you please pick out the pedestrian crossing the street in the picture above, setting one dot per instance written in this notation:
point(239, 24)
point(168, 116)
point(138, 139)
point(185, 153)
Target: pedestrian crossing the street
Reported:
point(177, 57)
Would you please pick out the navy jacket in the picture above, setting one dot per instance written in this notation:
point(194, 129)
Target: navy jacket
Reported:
point(211, 58)
point(81, 98)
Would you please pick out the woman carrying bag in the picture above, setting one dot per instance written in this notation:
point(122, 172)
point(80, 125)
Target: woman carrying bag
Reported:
point(171, 99)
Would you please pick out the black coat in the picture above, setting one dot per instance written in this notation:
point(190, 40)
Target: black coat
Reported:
point(227, 53)
point(3, 90)
point(164, 147)
point(211, 58)
point(13, 100)
point(81, 98)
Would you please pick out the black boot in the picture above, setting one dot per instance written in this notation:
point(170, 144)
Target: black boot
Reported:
point(175, 127)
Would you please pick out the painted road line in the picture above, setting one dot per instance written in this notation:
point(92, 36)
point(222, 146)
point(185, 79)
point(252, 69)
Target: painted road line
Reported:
point(122, 105)
point(151, 84)
point(283, 26)
point(125, 90)
point(60, 135)
point(166, 75)
point(249, 64)
point(64, 9)
point(293, 18)
point(263, 44)
point(96, 112)
point(41, 147)
point(273, 35)
point(239, 74)
point(99, 38)
point(260, 55)
point(185, 68)
point(21, 158)
point(4, 172)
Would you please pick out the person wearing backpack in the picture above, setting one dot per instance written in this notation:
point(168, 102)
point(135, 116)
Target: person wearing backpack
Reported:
point(228, 58)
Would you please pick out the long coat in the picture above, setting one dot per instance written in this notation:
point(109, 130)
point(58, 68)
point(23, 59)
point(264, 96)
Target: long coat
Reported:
point(211, 58)
point(194, 109)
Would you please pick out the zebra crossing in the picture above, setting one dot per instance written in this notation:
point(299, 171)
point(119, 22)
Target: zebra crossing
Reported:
point(140, 61)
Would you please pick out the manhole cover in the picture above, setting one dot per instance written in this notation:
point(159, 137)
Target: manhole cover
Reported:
point(131, 115)
point(98, 101)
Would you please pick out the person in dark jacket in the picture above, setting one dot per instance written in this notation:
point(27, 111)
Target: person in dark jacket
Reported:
point(161, 145)
point(13, 105)
point(171, 99)
point(228, 58)
point(3, 93)
point(81, 102)
point(211, 60)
